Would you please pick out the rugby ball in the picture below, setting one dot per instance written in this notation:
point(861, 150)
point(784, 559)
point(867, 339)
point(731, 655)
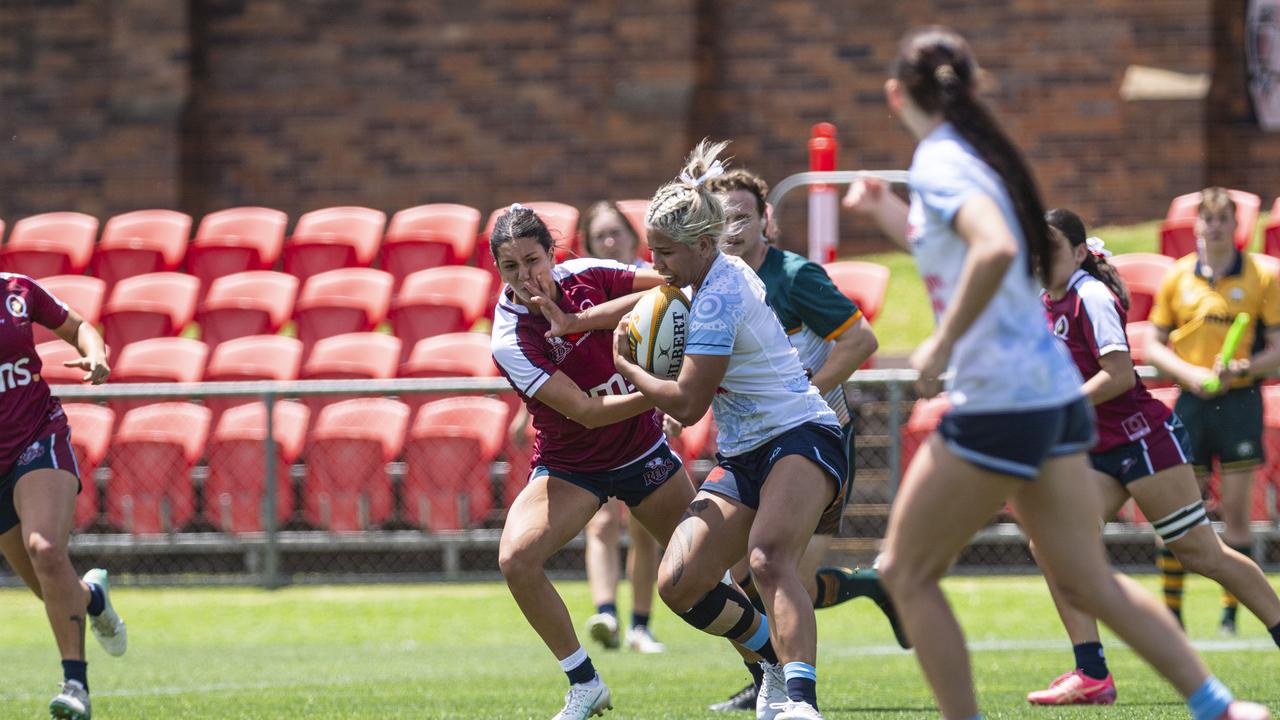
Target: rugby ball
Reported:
point(656, 331)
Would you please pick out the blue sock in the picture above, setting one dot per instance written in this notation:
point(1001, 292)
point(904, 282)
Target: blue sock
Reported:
point(1210, 701)
point(639, 619)
point(77, 670)
point(578, 667)
point(1090, 660)
point(97, 600)
point(802, 682)
point(608, 609)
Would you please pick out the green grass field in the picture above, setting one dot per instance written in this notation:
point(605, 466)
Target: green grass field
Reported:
point(464, 651)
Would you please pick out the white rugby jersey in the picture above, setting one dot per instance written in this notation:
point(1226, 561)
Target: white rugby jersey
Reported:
point(765, 390)
point(1008, 359)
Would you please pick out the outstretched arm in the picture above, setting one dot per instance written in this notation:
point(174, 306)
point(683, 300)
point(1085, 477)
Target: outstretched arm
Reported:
point(688, 396)
point(85, 338)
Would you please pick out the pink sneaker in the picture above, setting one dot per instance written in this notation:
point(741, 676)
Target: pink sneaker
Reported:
point(1076, 688)
point(1240, 710)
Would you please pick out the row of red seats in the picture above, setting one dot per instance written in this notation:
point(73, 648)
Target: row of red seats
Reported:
point(364, 355)
point(430, 302)
point(447, 452)
point(253, 238)
point(927, 413)
point(1177, 232)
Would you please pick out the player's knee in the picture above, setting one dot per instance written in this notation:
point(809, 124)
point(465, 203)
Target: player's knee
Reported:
point(770, 565)
point(518, 562)
point(1197, 556)
point(680, 590)
point(47, 555)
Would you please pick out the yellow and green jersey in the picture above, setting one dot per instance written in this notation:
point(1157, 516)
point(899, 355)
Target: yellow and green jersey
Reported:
point(1197, 312)
point(811, 310)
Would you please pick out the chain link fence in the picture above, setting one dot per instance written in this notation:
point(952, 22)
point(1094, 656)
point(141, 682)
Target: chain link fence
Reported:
point(403, 480)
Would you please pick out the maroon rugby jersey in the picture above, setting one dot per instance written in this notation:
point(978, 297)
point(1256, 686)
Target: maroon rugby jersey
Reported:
point(28, 411)
point(528, 360)
point(1090, 320)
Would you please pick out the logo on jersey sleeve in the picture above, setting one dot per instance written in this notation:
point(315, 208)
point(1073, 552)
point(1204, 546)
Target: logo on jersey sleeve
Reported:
point(17, 306)
point(1060, 327)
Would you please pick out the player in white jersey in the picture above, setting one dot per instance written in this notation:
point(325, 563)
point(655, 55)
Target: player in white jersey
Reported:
point(1019, 429)
point(781, 455)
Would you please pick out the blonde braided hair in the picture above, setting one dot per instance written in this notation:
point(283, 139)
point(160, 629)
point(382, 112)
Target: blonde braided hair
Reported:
point(686, 209)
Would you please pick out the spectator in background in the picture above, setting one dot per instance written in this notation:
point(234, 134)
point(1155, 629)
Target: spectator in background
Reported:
point(1197, 303)
point(607, 234)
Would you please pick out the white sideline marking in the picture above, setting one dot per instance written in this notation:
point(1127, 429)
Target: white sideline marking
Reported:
point(1250, 645)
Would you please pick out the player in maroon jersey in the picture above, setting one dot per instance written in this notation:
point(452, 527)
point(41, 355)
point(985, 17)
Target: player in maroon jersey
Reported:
point(595, 438)
point(1142, 452)
point(39, 482)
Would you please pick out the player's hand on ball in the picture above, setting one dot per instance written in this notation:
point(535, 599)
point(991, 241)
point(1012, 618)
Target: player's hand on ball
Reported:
point(930, 360)
point(621, 346)
point(95, 367)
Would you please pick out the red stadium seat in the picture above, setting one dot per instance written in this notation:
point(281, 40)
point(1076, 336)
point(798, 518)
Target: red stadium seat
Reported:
point(235, 489)
point(364, 355)
point(90, 435)
point(148, 306)
point(254, 357)
point(862, 282)
point(56, 243)
point(157, 360)
point(450, 449)
point(81, 293)
point(1139, 333)
point(1142, 274)
point(438, 301)
point(448, 356)
point(332, 238)
point(924, 419)
point(1177, 232)
point(140, 242)
point(236, 240)
point(151, 459)
point(347, 485)
point(258, 302)
point(561, 221)
point(342, 301)
point(1271, 232)
point(635, 210)
point(429, 236)
point(52, 354)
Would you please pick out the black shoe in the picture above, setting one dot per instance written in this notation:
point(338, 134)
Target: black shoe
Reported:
point(744, 699)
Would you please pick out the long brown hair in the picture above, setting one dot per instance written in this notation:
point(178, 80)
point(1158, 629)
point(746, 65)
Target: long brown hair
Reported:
point(938, 70)
point(1072, 228)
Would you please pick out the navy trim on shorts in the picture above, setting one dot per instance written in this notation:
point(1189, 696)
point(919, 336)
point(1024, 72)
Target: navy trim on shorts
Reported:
point(1018, 443)
point(631, 483)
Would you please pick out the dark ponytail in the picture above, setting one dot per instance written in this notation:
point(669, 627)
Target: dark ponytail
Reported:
point(937, 68)
point(1072, 228)
point(519, 221)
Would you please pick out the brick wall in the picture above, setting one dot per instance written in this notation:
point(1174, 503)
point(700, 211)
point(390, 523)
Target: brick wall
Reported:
point(111, 105)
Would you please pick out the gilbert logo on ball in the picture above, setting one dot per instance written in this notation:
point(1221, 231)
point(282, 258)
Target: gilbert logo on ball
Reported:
point(657, 329)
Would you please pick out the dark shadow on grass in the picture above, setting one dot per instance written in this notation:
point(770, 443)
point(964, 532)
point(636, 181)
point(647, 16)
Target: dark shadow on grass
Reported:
point(880, 710)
